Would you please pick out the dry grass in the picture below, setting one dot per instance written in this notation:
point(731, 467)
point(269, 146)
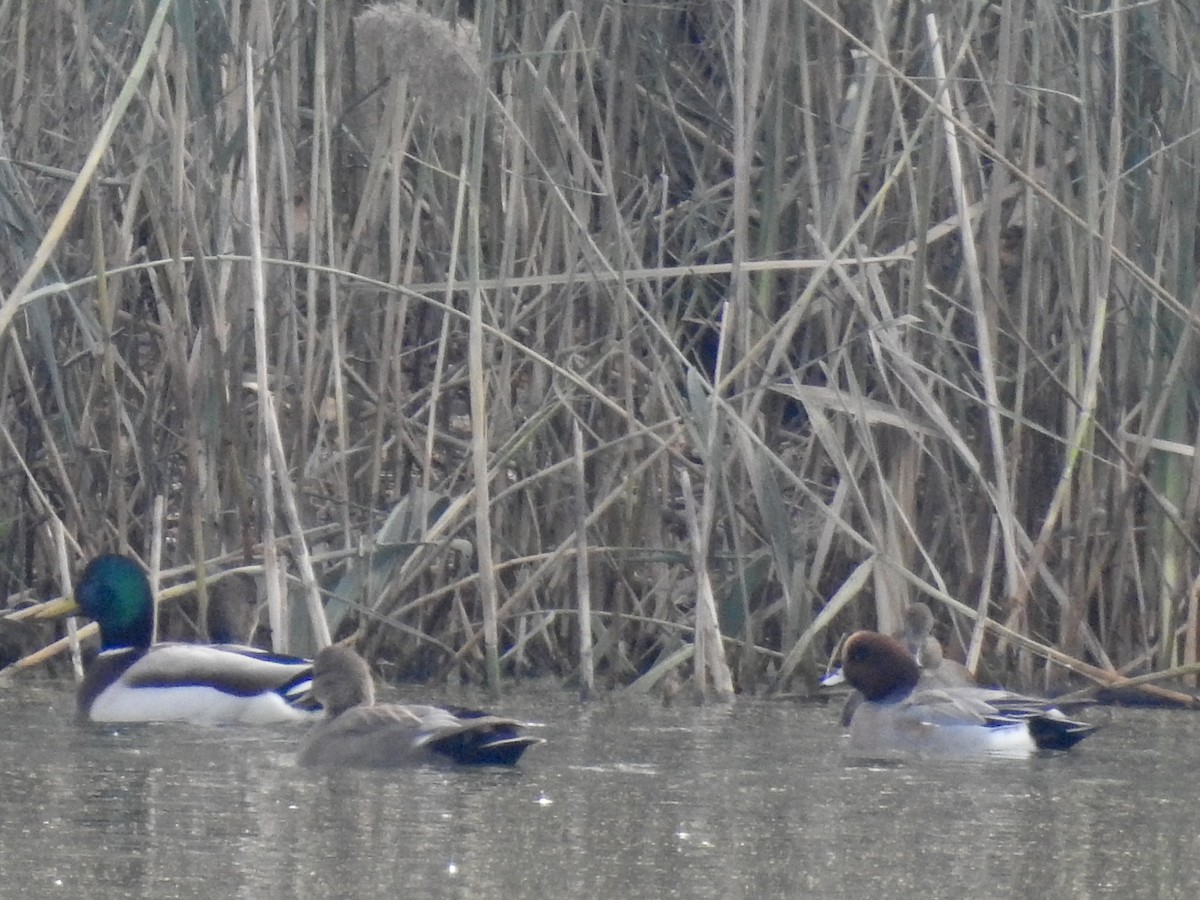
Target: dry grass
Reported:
point(906, 294)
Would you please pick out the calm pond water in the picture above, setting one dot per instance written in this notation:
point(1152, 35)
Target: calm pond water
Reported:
point(626, 799)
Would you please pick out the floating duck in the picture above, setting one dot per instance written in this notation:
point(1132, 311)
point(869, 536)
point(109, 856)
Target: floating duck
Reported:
point(898, 714)
point(916, 634)
point(134, 680)
point(356, 732)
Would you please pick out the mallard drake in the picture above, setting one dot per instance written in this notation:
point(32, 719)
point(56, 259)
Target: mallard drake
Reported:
point(900, 715)
point(356, 732)
point(133, 680)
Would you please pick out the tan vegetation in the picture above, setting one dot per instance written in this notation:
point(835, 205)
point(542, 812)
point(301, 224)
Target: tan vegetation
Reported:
point(905, 292)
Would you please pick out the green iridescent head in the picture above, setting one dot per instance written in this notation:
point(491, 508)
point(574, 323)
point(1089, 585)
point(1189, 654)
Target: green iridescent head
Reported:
point(114, 591)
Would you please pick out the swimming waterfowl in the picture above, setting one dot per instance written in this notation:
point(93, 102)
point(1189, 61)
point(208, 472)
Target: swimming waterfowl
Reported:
point(916, 634)
point(232, 614)
point(358, 733)
point(133, 680)
point(233, 610)
point(898, 714)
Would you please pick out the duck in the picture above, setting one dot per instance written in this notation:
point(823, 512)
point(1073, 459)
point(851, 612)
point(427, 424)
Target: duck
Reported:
point(132, 679)
point(900, 715)
point(233, 610)
point(916, 634)
point(356, 732)
point(232, 615)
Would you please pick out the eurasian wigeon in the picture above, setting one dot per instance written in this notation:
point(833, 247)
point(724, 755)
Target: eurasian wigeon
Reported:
point(900, 715)
point(358, 733)
point(916, 634)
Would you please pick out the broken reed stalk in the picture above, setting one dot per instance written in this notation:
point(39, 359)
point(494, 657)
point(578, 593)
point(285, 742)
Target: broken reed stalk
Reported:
point(64, 580)
point(998, 446)
point(480, 424)
point(582, 582)
point(280, 632)
point(273, 455)
point(154, 568)
point(975, 648)
point(709, 658)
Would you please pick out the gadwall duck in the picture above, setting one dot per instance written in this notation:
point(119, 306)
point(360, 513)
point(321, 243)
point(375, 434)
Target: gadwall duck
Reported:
point(356, 732)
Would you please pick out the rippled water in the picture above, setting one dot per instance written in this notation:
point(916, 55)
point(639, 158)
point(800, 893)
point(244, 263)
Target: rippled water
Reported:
point(626, 799)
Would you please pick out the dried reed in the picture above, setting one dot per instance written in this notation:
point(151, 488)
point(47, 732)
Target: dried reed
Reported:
point(907, 292)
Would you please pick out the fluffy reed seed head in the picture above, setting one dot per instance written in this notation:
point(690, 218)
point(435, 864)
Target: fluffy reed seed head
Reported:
point(440, 62)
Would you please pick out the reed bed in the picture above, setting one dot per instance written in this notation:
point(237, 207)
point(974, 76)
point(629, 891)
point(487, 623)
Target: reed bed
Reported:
point(736, 325)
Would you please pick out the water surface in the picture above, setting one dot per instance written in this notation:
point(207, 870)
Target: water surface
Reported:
point(626, 799)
